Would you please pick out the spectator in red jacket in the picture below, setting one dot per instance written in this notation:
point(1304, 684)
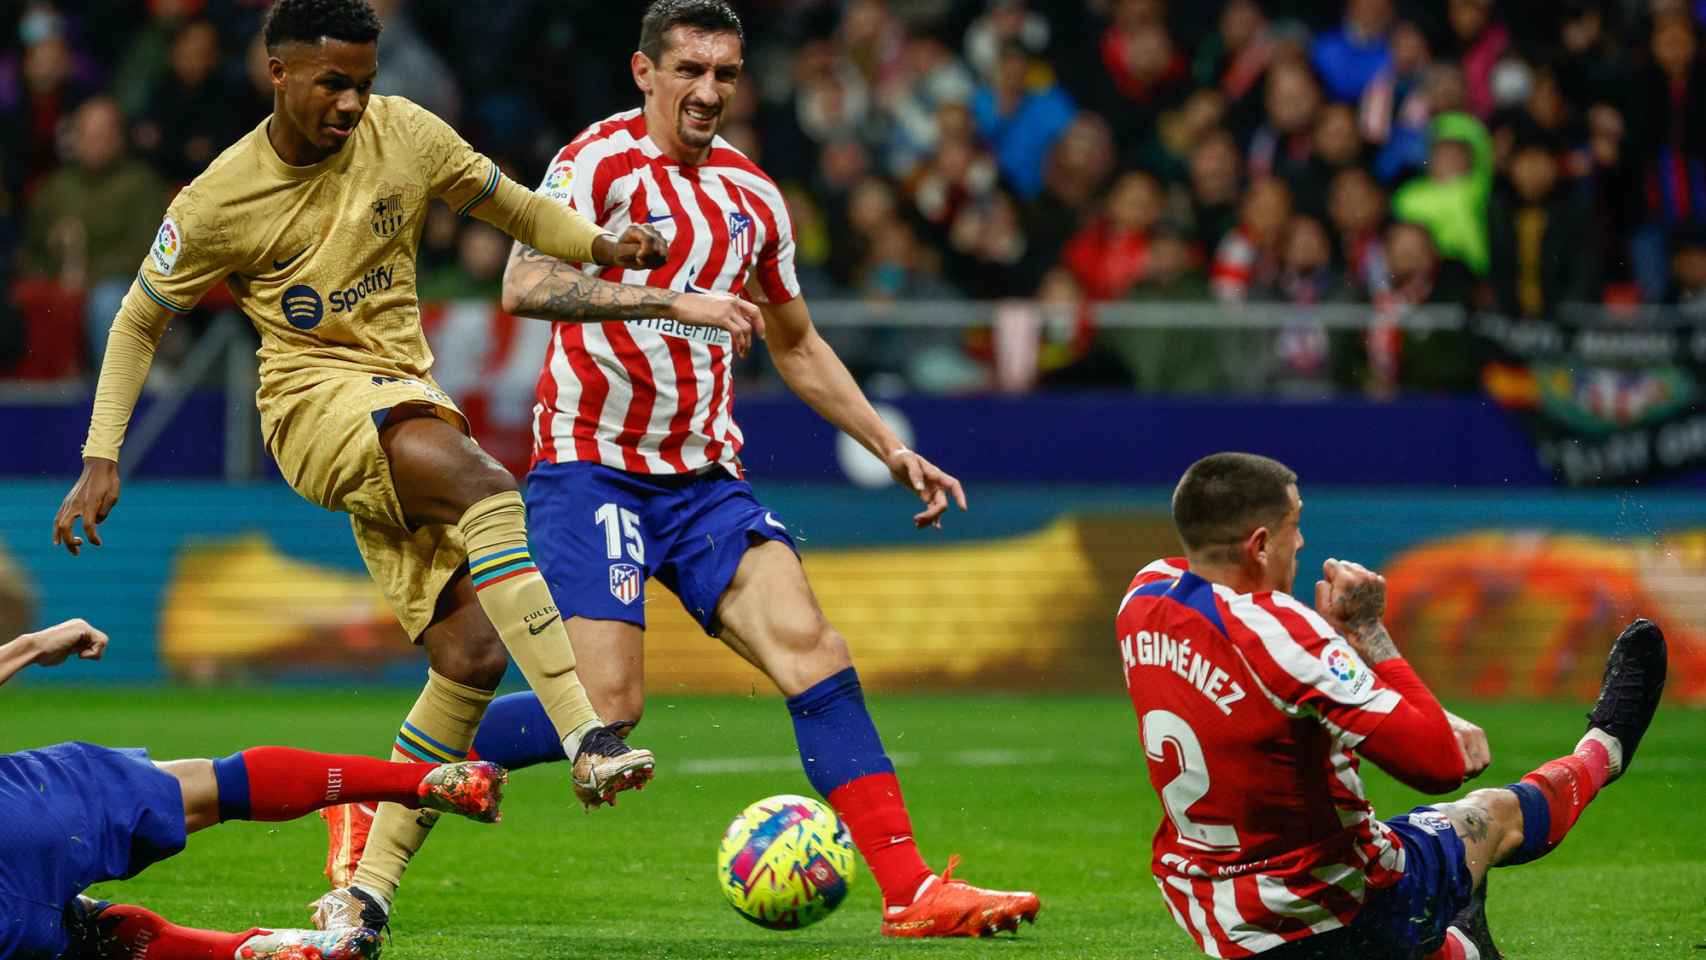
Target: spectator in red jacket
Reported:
point(1111, 254)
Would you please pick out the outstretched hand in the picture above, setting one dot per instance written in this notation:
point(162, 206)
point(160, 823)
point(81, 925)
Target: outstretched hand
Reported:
point(57, 643)
point(930, 482)
point(92, 498)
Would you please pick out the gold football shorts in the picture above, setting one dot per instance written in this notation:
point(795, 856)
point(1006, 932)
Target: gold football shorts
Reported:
point(324, 433)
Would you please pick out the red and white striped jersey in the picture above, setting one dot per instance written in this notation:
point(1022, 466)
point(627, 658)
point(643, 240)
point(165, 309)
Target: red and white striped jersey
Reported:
point(1249, 706)
point(654, 396)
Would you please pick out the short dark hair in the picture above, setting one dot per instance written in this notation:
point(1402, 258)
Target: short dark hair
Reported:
point(310, 21)
point(715, 16)
point(1223, 497)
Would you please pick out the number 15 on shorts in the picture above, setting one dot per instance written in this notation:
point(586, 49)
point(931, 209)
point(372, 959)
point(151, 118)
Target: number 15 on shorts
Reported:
point(621, 531)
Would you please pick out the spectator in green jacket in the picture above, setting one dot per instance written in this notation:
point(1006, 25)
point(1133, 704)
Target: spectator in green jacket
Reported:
point(1450, 199)
point(90, 223)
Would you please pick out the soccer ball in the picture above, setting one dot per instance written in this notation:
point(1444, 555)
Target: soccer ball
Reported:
point(785, 862)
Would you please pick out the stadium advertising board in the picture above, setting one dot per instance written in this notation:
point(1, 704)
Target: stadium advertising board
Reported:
point(1491, 596)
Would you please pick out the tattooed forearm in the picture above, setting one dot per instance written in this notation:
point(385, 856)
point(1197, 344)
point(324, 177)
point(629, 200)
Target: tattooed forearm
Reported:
point(541, 286)
point(1372, 641)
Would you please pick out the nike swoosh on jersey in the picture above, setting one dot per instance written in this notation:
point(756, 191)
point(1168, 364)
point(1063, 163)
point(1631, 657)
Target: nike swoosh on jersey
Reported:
point(770, 518)
point(287, 261)
point(537, 628)
point(654, 218)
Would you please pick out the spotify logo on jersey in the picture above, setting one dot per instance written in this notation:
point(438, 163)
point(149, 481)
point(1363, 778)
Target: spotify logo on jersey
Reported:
point(302, 307)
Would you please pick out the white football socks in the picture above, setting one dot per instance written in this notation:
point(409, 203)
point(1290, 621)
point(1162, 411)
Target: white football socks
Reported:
point(1613, 749)
point(572, 742)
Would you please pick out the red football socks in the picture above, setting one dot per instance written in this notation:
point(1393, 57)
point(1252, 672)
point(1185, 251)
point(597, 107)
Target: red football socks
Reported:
point(147, 936)
point(280, 783)
point(1570, 784)
point(1451, 949)
point(875, 814)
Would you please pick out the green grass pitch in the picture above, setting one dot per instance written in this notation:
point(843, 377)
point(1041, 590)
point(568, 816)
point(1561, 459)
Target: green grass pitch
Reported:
point(1040, 792)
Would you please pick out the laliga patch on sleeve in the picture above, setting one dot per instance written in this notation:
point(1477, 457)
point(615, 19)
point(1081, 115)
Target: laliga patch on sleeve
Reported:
point(168, 243)
point(1344, 666)
point(559, 181)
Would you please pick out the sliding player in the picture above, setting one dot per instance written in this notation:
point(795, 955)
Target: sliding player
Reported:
point(637, 471)
point(75, 814)
point(1253, 709)
point(313, 220)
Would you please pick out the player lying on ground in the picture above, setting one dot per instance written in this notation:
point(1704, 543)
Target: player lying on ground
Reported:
point(638, 472)
point(313, 220)
point(76, 814)
point(1253, 710)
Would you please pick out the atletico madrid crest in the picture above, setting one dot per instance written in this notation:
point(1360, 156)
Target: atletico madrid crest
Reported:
point(624, 582)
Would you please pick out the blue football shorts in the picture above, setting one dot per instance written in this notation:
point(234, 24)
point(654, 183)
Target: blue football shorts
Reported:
point(598, 534)
point(73, 815)
point(1407, 920)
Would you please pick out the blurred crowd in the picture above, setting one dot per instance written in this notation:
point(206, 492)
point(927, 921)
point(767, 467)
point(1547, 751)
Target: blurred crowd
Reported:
point(1502, 156)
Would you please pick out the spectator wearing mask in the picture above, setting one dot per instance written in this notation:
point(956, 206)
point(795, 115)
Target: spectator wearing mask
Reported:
point(1451, 198)
point(1248, 257)
point(86, 225)
point(1350, 56)
point(1111, 253)
point(1021, 123)
point(1543, 250)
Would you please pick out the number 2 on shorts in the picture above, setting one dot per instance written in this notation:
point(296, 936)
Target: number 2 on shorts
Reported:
point(621, 525)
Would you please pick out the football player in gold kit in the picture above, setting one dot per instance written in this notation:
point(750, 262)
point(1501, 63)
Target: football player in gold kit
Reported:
point(313, 220)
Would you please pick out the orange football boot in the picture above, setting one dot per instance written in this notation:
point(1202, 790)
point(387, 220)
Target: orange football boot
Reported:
point(955, 908)
point(346, 838)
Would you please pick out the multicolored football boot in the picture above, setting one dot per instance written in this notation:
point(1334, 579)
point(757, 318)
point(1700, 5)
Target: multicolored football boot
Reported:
point(345, 944)
point(606, 766)
point(474, 789)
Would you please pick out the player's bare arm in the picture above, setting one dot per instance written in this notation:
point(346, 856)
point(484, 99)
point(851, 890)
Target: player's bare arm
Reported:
point(51, 647)
point(811, 369)
point(540, 286)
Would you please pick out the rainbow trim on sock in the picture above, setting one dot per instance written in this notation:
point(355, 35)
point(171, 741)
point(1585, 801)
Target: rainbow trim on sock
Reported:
point(412, 741)
point(495, 568)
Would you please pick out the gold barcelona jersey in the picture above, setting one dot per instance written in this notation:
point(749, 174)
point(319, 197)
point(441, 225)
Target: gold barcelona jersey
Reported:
point(320, 258)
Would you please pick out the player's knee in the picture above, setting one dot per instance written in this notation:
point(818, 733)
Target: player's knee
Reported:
point(488, 478)
point(478, 659)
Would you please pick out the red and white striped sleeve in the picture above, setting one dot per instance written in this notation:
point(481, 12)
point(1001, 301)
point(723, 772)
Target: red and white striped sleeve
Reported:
point(1302, 663)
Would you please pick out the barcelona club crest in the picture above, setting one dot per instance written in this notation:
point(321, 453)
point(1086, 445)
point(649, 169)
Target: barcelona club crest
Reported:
point(387, 216)
point(624, 582)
